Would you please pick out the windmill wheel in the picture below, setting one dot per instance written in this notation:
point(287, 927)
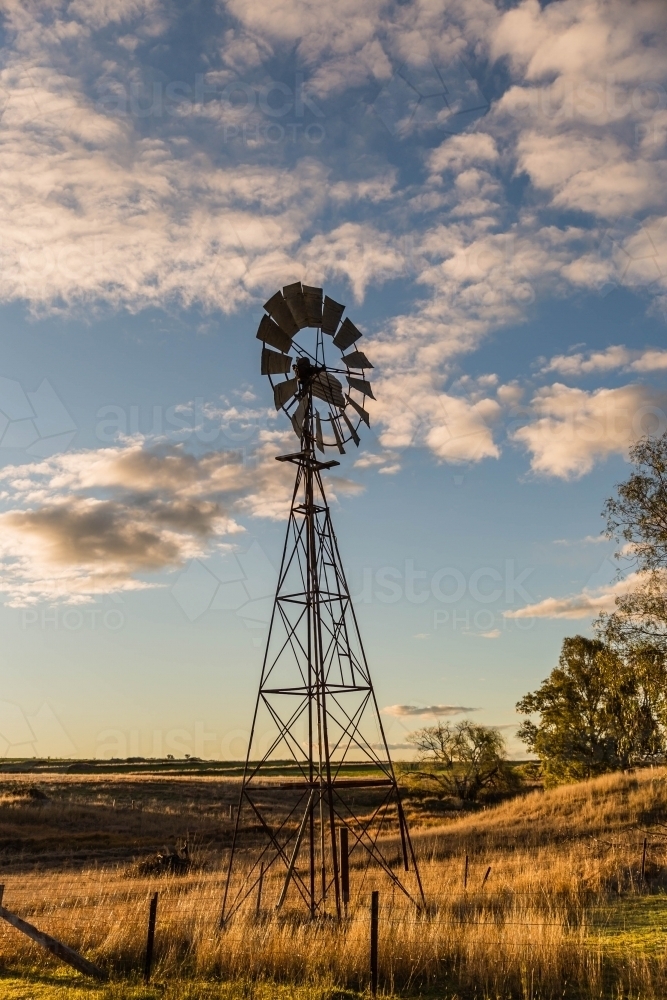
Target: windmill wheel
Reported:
point(302, 320)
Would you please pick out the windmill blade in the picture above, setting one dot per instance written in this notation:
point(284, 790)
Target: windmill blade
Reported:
point(362, 385)
point(353, 434)
point(319, 440)
point(297, 304)
point(328, 388)
point(279, 311)
point(298, 415)
point(271, 333)
point(284, 391)
point(275, 364)
point(313, 300)
point(347, 335)
point(359, 409)
point(331, 315)
point(357, 360)
point(337, 434)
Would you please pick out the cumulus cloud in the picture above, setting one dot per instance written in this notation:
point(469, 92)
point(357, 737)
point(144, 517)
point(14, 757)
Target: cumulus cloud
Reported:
point(593, 175)
point(455, 428)
point(586, 604)
point(462, 151)
point(418, 710)
point(574, 429)
point(142, 209)
point(340, 42)
point(586, 76)
point(105, 520)
point(609, 359)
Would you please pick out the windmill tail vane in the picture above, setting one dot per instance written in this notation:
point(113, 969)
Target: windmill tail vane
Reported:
point(320, 811)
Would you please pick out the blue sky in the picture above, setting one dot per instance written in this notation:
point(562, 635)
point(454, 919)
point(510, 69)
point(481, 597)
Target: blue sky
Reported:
point(483, 185)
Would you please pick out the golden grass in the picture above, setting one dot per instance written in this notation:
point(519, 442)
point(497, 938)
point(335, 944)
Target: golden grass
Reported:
point(562, 914)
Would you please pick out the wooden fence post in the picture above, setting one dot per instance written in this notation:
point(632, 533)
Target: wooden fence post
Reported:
point(57, 948)
point(465, 874)
point(488, 872)
point(644, 860)
point(345, 865)
point(375, 907)
point(150, 940)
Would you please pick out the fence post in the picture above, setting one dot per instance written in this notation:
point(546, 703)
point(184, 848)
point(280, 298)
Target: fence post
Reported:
point(152, 914)
point(345, 865)
point(375, 907)
point(465, 874)
point(488, 872)
point(644, 860)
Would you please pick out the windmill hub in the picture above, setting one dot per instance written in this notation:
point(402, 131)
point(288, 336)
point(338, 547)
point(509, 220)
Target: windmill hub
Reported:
point(304, 370)
point(338, 800)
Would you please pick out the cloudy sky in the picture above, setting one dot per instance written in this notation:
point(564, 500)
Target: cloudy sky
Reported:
point(482, 182)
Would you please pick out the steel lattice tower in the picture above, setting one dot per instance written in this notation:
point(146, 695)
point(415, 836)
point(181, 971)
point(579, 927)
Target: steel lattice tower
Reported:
point(316, 707)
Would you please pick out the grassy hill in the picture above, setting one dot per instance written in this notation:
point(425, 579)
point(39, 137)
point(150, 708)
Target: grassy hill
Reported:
point(563, 912)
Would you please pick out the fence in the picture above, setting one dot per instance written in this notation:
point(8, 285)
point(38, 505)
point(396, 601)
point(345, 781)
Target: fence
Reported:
point(480, 913)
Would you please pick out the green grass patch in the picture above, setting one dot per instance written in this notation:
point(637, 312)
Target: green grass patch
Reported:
point(55, 987)
point(632, 925)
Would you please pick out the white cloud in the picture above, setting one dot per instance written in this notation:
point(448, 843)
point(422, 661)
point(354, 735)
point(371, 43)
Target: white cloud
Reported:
point(359, 253)
point(414, 412)
point(137, 216)
point(339, 42)
point(579, 67)
point(586, 604)
point(102, 521)
point(587, 540)
point(609, 359)
point(579, 40)
point(573, 429)
point(385, 462)
point(461, 151)
point(426, 710)
point(591, 174)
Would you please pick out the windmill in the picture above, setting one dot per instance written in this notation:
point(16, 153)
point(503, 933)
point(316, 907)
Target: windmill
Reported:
point(333, 806)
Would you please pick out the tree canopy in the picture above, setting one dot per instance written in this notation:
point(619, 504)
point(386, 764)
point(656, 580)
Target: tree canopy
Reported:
point(462, 760)
point(637, 519)
point(599, 711)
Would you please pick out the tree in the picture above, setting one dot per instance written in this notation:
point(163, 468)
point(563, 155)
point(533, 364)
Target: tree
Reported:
point(462, 760)
point(637, 519)
point(599, 711)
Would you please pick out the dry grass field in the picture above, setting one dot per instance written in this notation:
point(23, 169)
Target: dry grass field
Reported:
point(563, 912)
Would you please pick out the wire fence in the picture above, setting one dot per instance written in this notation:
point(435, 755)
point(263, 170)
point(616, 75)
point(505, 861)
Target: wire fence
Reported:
point(101, 910)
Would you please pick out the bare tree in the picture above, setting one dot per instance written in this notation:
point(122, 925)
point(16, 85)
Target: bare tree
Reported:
point(462, 760)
